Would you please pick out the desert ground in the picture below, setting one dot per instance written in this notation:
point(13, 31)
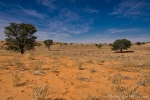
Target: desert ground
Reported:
point(75, 72)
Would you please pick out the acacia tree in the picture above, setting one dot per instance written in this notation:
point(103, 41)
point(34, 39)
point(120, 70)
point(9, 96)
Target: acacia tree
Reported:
point(20, 37)
point(48, 43)
point(121, 44)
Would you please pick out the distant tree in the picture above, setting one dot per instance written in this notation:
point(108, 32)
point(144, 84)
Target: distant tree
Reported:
point(71, 43)
point(20, 37)
point(38, 44)
point(121, 44)
point(98, 45)
point(48, 43)
point(138, 43)
point(143, 42)
point(110, 44)
point(65, 44)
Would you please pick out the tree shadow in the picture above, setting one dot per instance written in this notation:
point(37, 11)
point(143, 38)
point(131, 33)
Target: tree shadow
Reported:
point(124, 52)
point(55, 99)
point(54, 50)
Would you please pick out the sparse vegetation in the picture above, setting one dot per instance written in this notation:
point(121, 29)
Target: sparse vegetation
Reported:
point(36, 65)
point(16, 78)
point(39, 93)
point(144, 78)
point(106, 75)
point(30, 55)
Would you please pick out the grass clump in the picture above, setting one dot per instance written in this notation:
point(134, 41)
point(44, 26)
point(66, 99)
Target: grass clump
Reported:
point(4, 66)
point(125, 93)
point(122, 92)
point(144, 78)
point(39, 93)
point(30, 55)
point(36, 65)
point(100, 62)
point(80, 66)
point(116, 79)
point(16, 78)
point(17, 62)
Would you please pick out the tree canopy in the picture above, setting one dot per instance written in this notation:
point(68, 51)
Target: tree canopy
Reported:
point(48, 43)
point(121, 44)
point(19, 37)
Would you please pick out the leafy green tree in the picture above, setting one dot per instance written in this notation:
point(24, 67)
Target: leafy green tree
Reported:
point(48, 43)
point(20, 37)
point(121, 44)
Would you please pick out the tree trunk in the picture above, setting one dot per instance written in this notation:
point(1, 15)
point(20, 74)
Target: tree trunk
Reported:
point(121, 50)
point(49, 48)
point(21, 49)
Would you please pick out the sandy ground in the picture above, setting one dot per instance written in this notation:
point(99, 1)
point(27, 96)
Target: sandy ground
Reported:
point(73, 73)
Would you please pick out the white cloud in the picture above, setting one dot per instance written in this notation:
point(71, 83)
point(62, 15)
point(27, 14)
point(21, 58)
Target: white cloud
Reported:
point(19, 11)
point(59, 28)
point(132, 9)
point(2, 35)
point(109, 38)
point(71, 22)
point(48, 3)
point(68, 15)
point(56, 35)
point(90, 10)
point(31, 12)
point(3, 24)
point(119, 30)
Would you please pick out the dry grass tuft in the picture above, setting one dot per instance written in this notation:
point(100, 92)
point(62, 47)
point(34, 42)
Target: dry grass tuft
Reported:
point(144, 78)
point(16, 78)
point(30, 55)
point(39, 93)
point(116, 79)
point(36, 65)
point(80, 66)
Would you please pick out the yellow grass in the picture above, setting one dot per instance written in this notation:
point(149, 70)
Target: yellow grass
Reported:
point(104, 74)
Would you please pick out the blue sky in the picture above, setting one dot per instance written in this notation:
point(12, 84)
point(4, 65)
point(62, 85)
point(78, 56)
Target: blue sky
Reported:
point(80, 21)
